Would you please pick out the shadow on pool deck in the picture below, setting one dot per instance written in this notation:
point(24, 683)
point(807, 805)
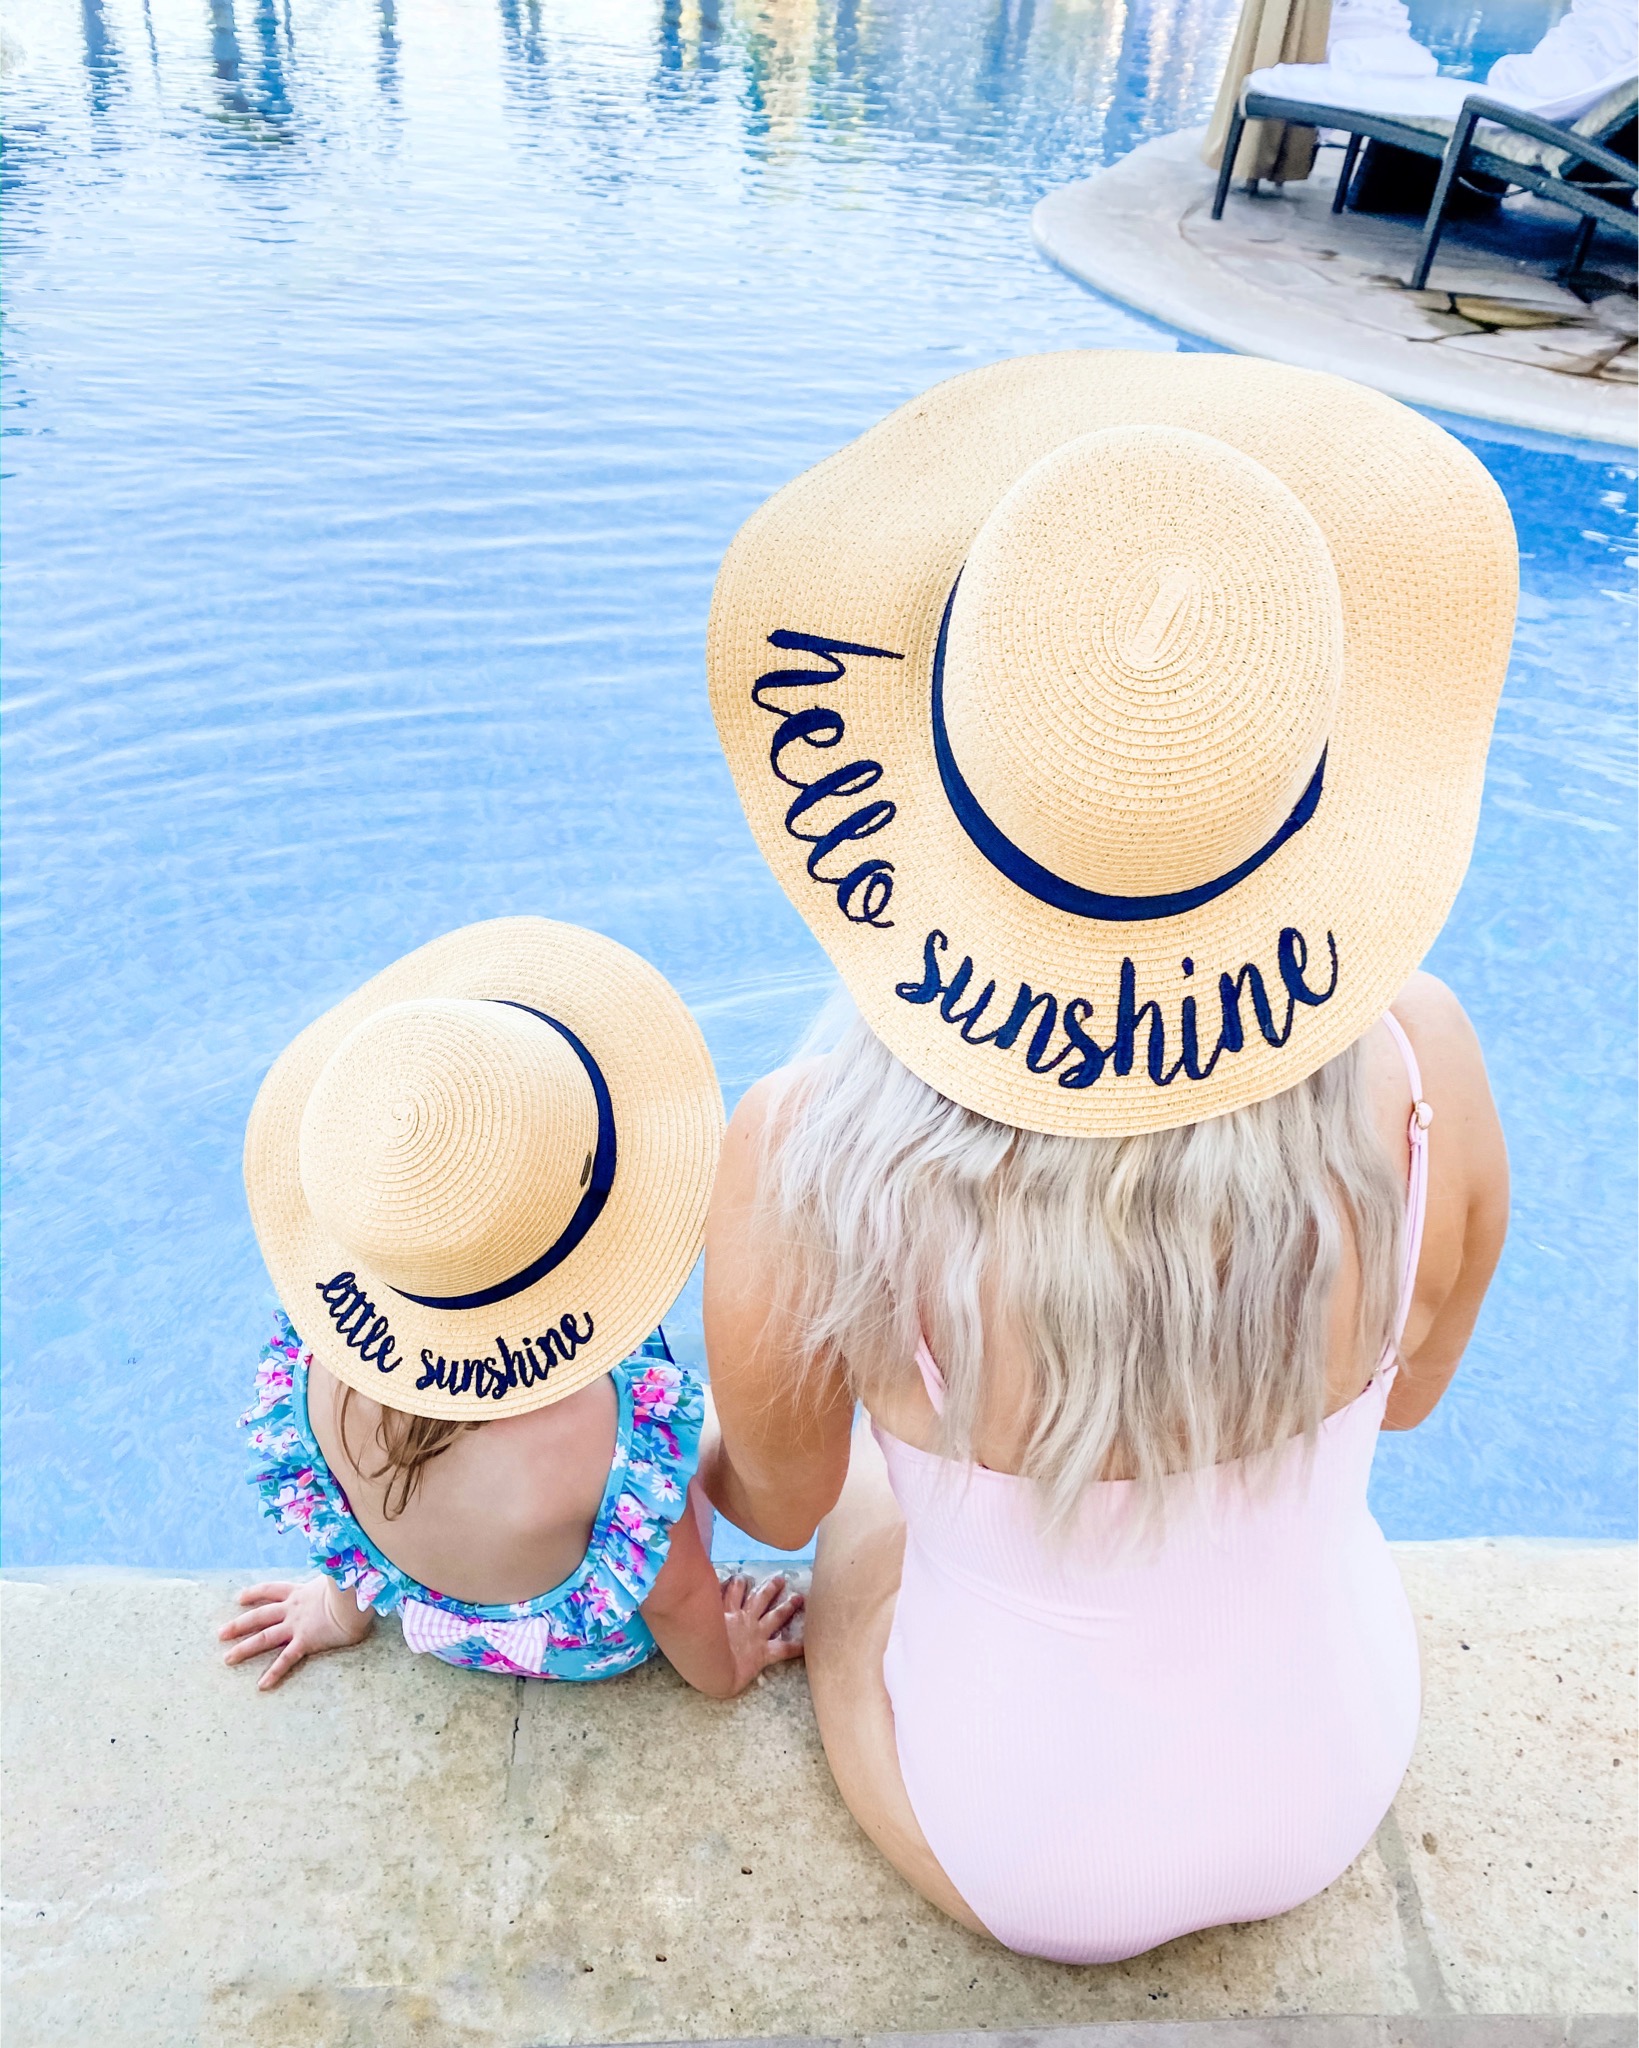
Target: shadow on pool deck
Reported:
point(392, 1854)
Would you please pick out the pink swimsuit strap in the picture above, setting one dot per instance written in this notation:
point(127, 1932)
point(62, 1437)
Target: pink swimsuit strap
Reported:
point(1416, 1210)
point(1417, 1179)
point(932, 1378)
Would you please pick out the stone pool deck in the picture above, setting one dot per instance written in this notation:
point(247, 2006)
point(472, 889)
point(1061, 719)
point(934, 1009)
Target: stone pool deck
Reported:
point(1496, 336)
point(391, 1854)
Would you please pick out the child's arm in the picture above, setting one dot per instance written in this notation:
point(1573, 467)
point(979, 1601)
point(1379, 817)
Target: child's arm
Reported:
point(718, 1637)
point(299, 1621)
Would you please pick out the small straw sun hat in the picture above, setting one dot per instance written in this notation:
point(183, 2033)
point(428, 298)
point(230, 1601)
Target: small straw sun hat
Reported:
point(481, 1181)
point(1118, 722)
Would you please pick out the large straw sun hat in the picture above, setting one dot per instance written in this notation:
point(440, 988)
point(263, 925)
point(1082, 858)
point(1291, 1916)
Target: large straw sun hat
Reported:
point(479, 1182)
point(1118, 722)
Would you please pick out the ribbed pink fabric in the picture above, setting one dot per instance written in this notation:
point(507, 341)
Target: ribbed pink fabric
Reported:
point(1107, 1751)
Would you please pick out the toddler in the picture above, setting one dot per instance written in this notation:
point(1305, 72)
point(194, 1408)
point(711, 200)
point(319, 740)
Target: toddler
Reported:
point(477, 1184)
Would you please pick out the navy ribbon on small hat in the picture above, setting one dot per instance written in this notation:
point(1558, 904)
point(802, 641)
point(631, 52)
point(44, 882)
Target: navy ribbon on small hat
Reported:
point(587, 1211)
point(1029, 875)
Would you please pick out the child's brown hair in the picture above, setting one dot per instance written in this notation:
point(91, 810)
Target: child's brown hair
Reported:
point(408, 1444)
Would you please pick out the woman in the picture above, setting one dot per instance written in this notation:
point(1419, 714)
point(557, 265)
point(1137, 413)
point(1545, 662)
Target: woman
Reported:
point(1122, 742)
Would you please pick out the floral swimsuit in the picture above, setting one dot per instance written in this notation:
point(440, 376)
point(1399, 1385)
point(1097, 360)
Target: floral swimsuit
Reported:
point(588, 1627)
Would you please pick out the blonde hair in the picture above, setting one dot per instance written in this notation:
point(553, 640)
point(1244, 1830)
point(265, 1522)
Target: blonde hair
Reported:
point(1172, 1290)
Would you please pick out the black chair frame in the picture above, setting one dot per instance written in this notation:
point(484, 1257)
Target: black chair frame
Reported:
point(1588, 183)
point(1263, 106)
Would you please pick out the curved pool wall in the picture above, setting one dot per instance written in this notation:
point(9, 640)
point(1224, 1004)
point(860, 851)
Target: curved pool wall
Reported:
point(383, 385)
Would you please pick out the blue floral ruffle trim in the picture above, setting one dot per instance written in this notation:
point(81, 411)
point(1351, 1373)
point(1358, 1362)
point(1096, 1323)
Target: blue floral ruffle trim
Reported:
point(295, 1486)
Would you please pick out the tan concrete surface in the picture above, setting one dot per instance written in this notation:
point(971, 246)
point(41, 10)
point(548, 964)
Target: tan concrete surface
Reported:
point(1447, 2030)
point(389, 1852)
point(1517, 1815)
point(1282, 276)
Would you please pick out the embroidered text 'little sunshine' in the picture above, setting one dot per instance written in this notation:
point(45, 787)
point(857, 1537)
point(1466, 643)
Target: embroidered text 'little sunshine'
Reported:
point(526, 1362)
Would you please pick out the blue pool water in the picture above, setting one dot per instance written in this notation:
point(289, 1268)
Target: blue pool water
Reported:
point(384, 382)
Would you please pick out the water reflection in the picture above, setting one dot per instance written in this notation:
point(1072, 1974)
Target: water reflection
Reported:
point(253, 95)
point(1081, 81)
point(387, 51)
point(688, 36)
point(1168, 48)
point(1029, 86)
point(522, 35)
point(1007, 42)
point(1469, 39)
point(102, 58)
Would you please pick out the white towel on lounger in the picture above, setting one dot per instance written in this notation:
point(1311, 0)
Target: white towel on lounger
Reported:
point(1584, 57)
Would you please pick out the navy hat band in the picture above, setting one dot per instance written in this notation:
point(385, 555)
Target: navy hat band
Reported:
point(589, 1208)
point(1029, 875)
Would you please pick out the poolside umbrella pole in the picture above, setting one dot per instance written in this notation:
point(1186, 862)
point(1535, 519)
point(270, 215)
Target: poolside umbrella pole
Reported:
point(1269, 32)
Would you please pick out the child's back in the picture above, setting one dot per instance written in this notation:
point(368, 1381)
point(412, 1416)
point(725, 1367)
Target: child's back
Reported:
point(503, 1514)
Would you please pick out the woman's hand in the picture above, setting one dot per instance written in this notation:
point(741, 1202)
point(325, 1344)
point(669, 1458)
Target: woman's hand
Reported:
point(298, 1621)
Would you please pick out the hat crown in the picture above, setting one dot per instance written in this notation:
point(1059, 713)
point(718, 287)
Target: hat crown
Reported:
point(447, 1142)
point(1145, 656)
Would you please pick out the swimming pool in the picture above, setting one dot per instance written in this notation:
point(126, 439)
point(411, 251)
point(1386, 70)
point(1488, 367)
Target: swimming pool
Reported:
point(384, 382)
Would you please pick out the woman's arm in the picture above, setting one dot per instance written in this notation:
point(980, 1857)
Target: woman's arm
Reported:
point(778, 1465)
point(1468, 1198)
point(717, 1637)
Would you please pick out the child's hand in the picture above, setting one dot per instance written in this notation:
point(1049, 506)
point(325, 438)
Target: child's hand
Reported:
point(754, 1617)
point(298, 1621)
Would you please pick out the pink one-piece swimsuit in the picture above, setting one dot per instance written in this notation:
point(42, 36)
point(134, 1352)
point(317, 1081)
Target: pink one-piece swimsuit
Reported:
point(1106, 1749)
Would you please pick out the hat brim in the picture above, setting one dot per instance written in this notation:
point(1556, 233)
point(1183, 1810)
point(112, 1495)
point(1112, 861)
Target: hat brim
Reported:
point(864, 550)
point(617, 1282)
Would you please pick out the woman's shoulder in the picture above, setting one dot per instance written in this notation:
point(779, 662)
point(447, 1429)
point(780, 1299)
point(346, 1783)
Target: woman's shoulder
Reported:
point(1446, 1047)
point(765, 1101)
point(1468, 1156)
point(1429, 1012)
point(761, 1114)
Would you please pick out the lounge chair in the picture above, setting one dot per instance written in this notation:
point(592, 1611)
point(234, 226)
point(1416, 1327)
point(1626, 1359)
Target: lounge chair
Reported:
point(1572, 165)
